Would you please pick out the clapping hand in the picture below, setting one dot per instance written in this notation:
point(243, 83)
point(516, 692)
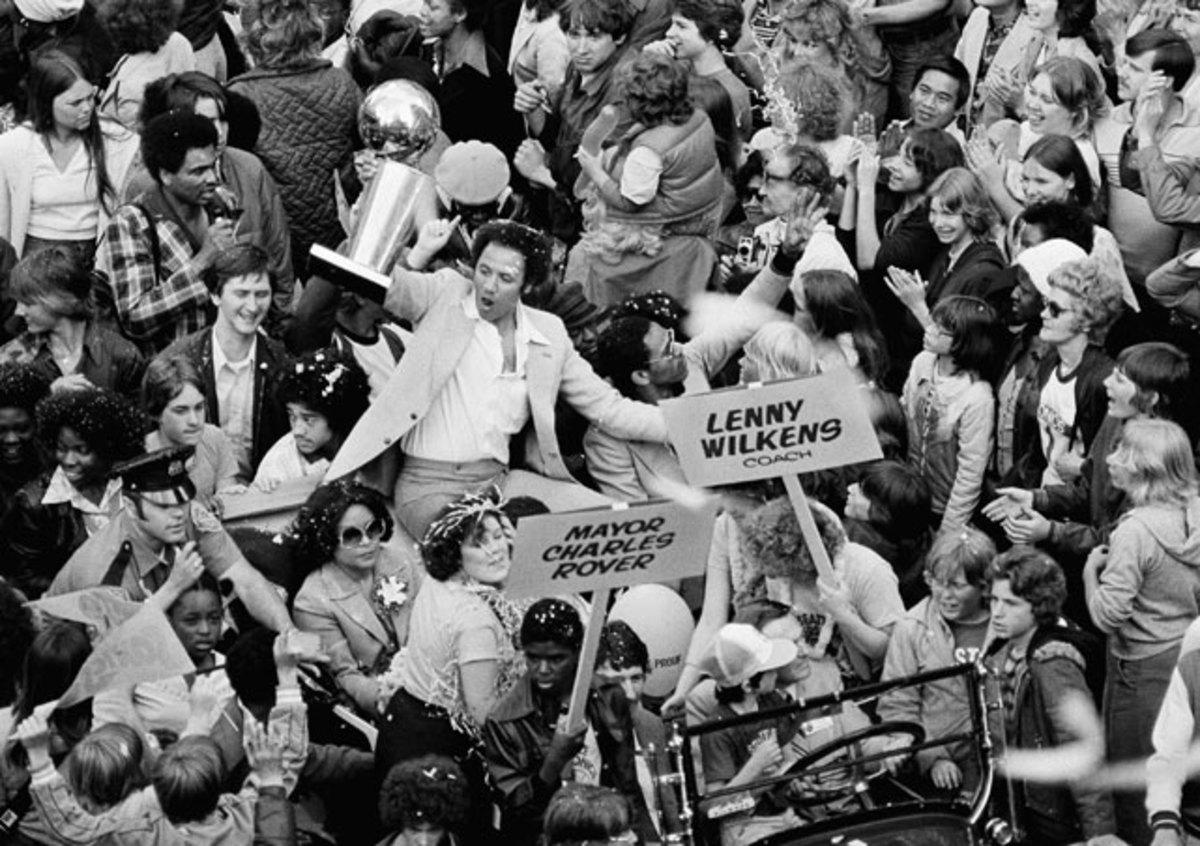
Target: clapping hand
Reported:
point(907, 286)
point(1010, 503)
point(1027, 527)
point(986, 161)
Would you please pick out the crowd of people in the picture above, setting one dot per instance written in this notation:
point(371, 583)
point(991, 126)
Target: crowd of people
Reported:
point(985, 218)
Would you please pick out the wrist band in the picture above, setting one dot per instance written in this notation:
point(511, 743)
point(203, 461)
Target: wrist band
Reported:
point(1165, 819)
point(782, 263)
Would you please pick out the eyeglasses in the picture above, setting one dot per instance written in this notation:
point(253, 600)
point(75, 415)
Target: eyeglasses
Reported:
point(669, 350)
point(355, 536)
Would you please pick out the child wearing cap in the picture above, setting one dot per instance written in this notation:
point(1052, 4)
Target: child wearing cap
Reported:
point(744, 663)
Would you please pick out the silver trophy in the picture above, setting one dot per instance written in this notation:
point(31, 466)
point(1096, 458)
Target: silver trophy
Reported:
point(399, 121)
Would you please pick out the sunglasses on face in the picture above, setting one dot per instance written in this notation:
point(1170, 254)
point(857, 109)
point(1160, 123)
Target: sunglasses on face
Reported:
point(356, 536)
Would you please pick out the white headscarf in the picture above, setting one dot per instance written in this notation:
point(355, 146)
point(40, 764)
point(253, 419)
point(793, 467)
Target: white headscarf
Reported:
point(48, 11)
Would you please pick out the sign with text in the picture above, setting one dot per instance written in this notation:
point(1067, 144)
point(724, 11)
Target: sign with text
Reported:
point(776, 429)
point(609, 547)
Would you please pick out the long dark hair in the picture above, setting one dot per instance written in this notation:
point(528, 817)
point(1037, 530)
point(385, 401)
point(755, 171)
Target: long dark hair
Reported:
point(51, 72)
point(835, 304)
point(1060, 154)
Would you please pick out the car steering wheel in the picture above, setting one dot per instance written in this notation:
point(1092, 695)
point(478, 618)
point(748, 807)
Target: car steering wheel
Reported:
point(823, 795)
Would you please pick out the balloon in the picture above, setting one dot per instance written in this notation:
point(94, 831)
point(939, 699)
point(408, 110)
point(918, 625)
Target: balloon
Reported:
point(662, 620)
point(399, 119)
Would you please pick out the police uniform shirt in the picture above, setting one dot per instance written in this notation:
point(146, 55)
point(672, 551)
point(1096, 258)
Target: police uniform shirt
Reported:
point(92, 562)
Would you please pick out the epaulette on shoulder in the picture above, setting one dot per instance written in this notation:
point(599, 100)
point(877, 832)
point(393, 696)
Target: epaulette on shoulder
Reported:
point(1059, 649)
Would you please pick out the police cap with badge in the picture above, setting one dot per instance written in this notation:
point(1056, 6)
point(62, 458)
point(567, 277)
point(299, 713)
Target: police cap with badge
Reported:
point(160, 477)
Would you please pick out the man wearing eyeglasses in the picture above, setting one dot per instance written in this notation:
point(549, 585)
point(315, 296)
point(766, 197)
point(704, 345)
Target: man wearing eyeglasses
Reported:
point(643, 361)
point(160, 528)
point(792, 174)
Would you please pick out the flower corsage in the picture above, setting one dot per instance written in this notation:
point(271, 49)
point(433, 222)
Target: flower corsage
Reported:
point(391, 594)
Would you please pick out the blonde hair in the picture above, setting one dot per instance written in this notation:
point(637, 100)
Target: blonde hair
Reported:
point(106, 766)
point(1096, 291)
point(1157, 455)
point(967, 550)
point(782, 351)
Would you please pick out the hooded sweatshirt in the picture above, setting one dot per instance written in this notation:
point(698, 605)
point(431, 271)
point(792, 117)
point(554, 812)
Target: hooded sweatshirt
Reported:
point(1149, 590)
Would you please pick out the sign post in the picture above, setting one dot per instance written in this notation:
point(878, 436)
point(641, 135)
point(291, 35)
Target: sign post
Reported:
point(600, 550)
point(783, 429)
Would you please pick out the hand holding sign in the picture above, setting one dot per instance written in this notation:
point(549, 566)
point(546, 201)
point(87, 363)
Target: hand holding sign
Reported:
point(599, 549)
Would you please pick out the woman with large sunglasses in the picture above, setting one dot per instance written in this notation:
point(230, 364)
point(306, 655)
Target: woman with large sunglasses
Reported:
point(358, 594)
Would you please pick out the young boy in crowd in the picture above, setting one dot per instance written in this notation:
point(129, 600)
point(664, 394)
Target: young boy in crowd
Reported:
point(1046, 658)
point(946, 628)
point(185, 802)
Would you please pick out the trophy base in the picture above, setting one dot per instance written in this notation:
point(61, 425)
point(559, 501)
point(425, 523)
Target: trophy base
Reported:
point(346, 273)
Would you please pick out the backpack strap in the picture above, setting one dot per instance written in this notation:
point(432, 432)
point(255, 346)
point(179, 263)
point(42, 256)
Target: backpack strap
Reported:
point(152, 234)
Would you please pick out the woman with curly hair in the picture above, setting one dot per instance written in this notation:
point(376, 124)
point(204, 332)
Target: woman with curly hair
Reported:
point(425, 802)
point(144, 32)
point(860, 607)
point(309, 112)
point(358, 591)
point(88, 431)
point(1060, 407)
point(758, 552)
point(461, 655)
point(62, 170)
point(1143, 590)
point(823, 33)
point(325, 394)
point(810, 109)
point(655, 195)
point(22, 458)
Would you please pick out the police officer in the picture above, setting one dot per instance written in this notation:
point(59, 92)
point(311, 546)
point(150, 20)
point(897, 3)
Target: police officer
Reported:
point(160, 525)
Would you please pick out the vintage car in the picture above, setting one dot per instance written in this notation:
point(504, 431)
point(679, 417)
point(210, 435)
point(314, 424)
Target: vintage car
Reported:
point(866, 805)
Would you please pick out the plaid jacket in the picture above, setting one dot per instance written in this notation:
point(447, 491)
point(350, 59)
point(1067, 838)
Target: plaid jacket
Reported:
point(155, 301)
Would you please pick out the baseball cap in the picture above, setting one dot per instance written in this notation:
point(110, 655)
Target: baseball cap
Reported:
point(740, 652)
point(472, 173)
